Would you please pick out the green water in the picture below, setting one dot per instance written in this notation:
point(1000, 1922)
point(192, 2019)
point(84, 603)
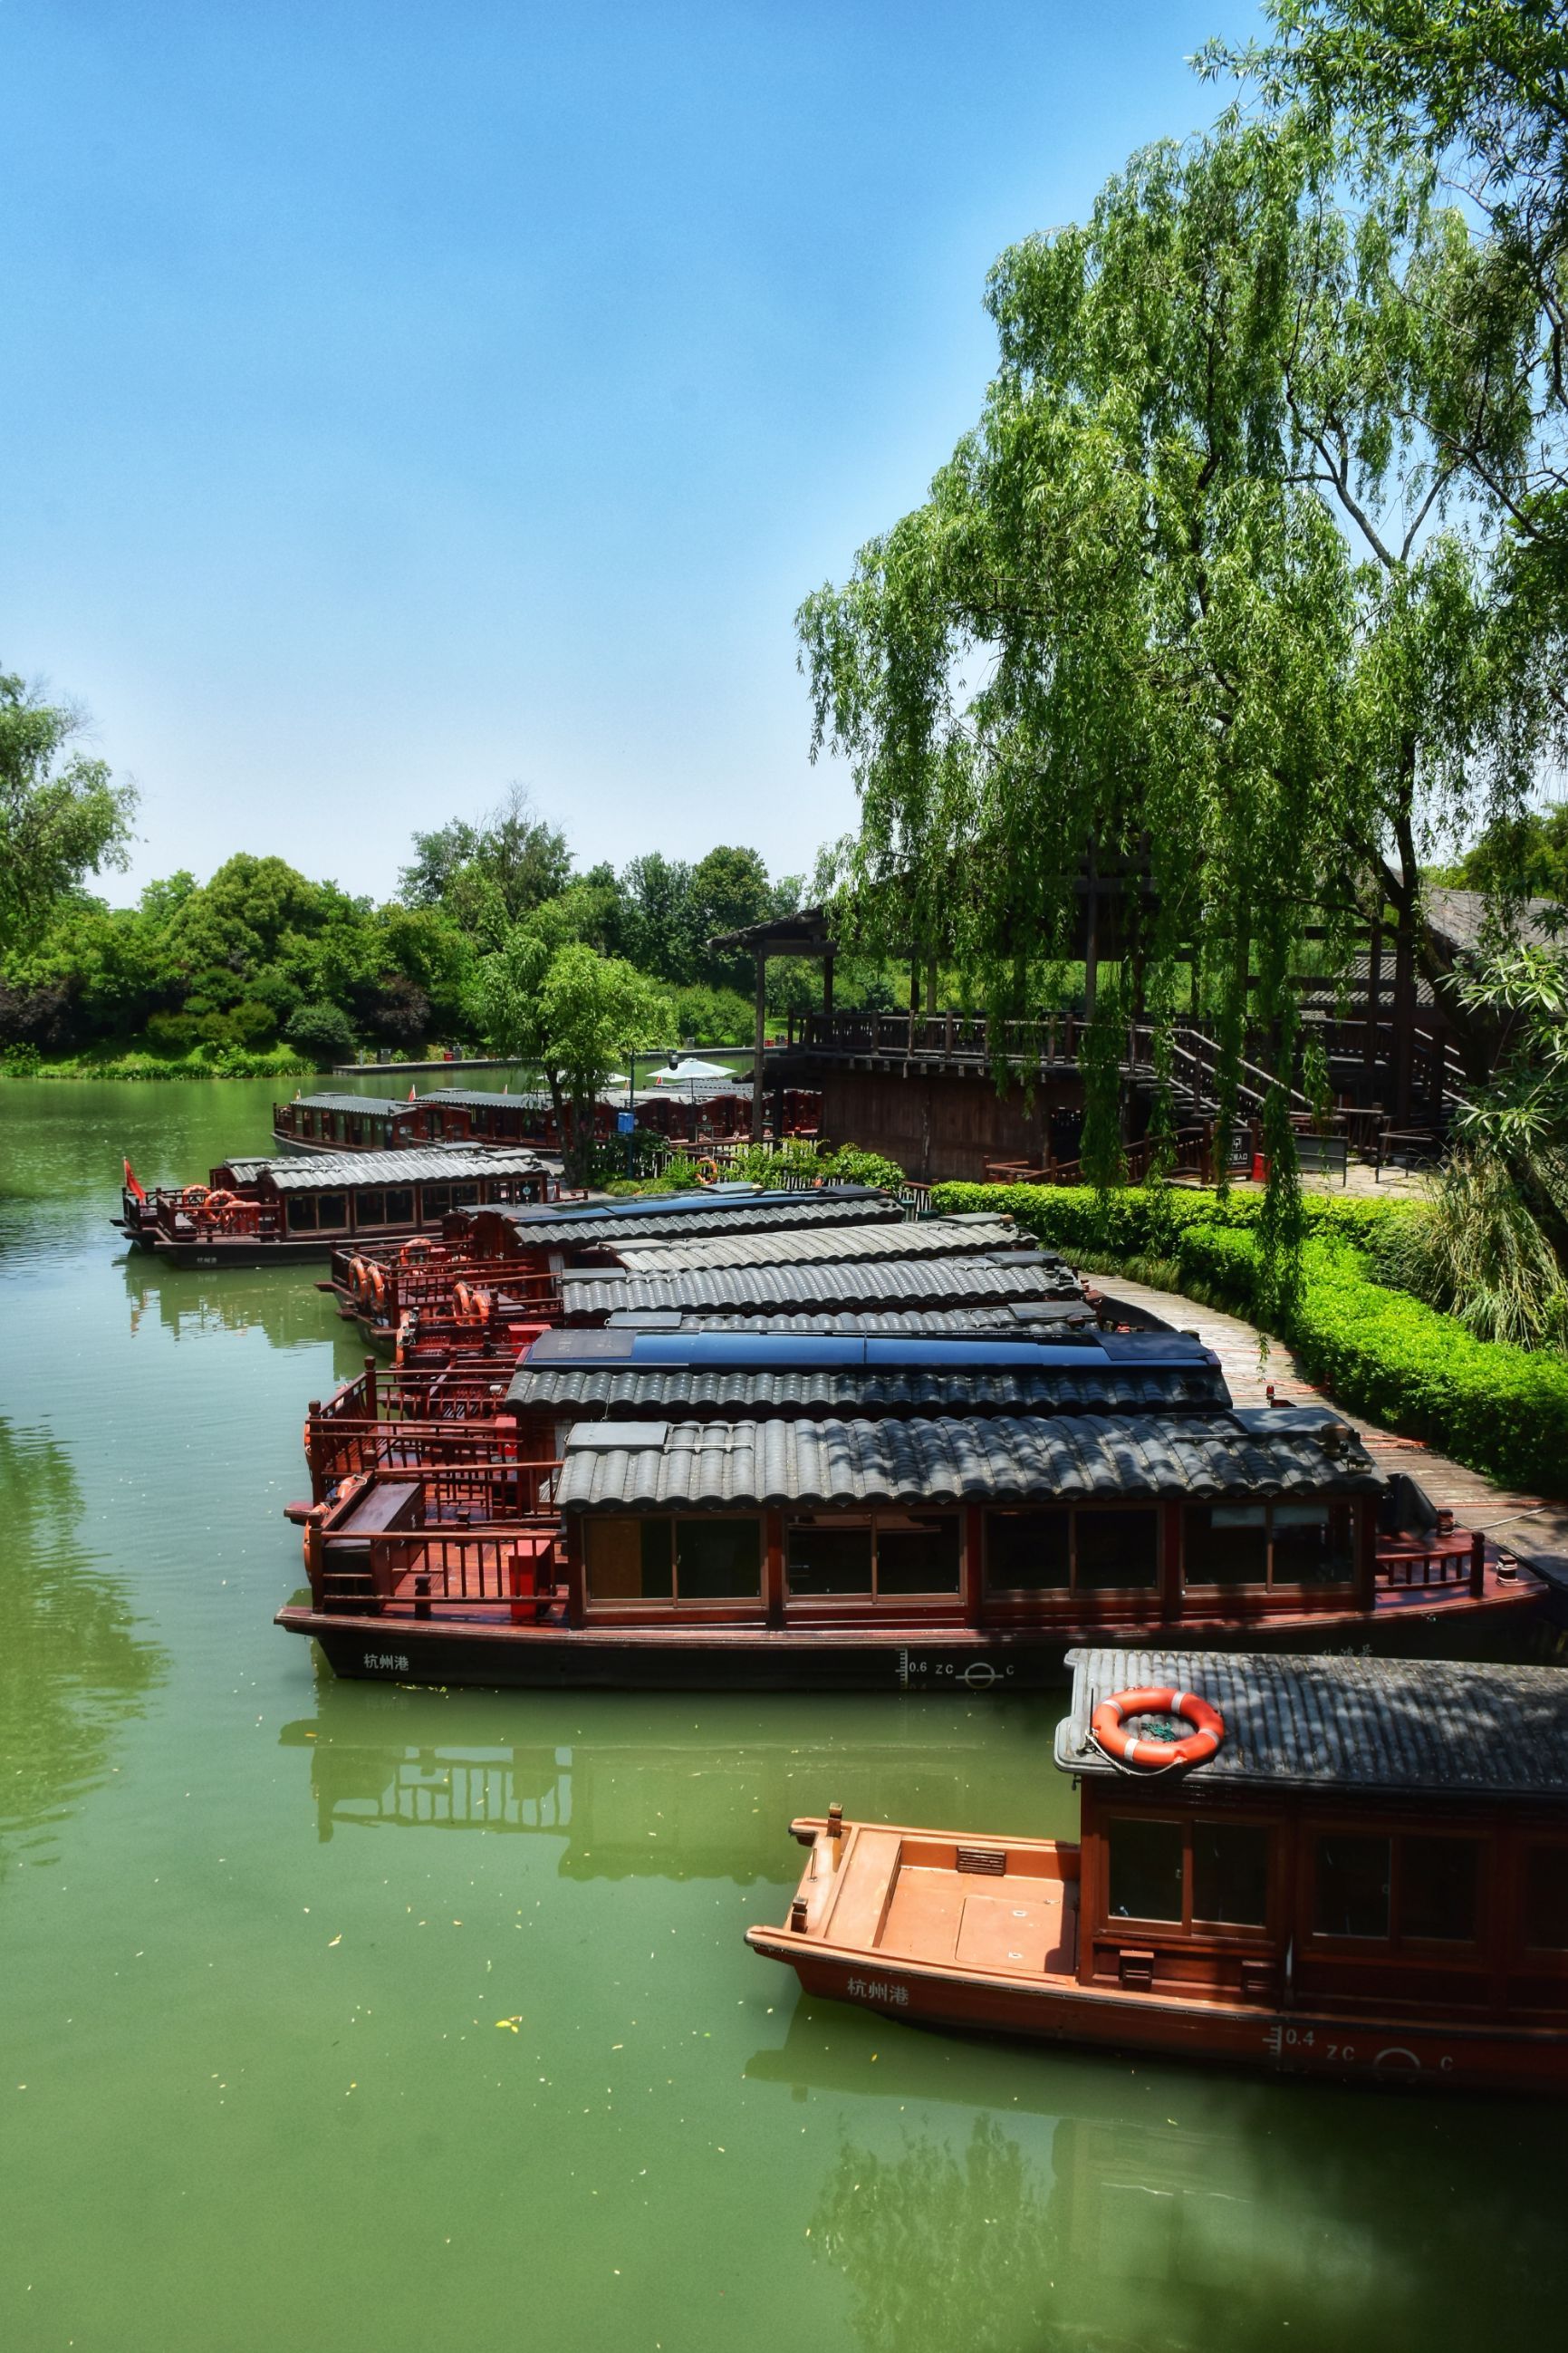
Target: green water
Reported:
point(265, 1940)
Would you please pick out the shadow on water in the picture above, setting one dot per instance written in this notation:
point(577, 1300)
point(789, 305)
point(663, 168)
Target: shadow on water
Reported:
point(632, 1785)
point(72, 1666)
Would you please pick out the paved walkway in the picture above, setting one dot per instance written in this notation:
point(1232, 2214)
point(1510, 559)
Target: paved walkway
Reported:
point(1535, 1529)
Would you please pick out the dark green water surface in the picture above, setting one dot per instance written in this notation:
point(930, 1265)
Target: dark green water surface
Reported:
point(383, 2020)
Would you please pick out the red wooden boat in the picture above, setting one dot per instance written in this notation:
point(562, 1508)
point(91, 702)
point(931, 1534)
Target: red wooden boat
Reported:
point(1368, 1878)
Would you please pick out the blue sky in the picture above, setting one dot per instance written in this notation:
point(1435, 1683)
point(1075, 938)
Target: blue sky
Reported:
point(402, 400)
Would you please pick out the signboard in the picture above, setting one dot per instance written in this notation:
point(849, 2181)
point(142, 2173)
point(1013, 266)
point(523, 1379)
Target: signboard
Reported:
point(626, 1122)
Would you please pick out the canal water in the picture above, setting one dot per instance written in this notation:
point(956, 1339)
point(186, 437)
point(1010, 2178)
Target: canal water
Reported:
point(385, 2019)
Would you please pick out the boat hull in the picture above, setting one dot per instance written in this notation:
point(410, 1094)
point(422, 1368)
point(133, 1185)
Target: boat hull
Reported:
point(1298, 2042)
point(496, 1654)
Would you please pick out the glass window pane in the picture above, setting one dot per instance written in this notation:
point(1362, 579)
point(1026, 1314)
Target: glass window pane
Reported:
point(627, 1559)
point(1230, 1873)
point(1145, 1870)
point(463, 1197)
point(437, 1200)
point(1546, 1899)
point(400, 1205)
point(331, 1209)
point(1226, 1543)
point(1312, 1544)
point(370, 1207)
point(1026, 1552)
point(1116, 1549)
point(825, 1558)
point(719, 1559)
point(917, 1552)
point(1439, 1881)
point(1351, 1886)
point(301, 1214)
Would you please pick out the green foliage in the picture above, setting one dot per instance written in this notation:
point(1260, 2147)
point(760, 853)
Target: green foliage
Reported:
point(62, 816)
point(1377, 1351)
point(1524, 852)
point(322, 1032)
point(1480, 1254)
point(572, 1011)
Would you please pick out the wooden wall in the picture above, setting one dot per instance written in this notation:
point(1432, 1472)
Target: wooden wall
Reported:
point(946, 1126)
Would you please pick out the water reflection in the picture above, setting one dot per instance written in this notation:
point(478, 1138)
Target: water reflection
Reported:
point(641, 1792)
point(281, 1301)
point(72, 1666)
point(1109, 2203)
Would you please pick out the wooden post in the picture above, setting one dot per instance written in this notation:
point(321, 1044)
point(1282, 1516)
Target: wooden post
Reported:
point(1373, 986)
point(1366, 1555)
point(972, 1571)
point(774, 1569)
point(760, 1042)
point(1478, 1566)
point(370, 1386)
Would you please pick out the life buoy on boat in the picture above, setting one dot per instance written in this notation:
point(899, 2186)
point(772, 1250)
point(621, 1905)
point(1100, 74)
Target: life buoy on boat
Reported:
point(378, 1285)
point(193, 1196)
point(217, 1206)
point(412, 1252)
point(359, 1278)
point(708, 1171)
point(1109, 1721)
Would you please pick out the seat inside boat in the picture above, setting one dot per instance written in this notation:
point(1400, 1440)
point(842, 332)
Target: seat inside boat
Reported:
point(988, 1907)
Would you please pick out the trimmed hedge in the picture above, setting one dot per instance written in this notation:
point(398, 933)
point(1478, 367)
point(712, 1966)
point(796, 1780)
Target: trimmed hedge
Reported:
point(1500, 1410)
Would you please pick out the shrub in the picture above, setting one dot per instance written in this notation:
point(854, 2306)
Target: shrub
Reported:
point(324, 1033)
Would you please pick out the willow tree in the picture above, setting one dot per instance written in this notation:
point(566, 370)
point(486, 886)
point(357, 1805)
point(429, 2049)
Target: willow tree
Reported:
point(1140, 556)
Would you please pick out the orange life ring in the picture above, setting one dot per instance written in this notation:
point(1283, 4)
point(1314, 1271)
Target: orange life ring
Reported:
point(378, 1285)
point(1107, 1727)
point(217, 1206)
point(464, 1304)
point(359, 1277)
point(712, 1168)
point(412, 1252)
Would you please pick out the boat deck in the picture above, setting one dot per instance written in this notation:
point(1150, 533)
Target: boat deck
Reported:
point(1002, 1910)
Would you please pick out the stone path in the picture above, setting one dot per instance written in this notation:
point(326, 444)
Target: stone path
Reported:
point(1534, 1528)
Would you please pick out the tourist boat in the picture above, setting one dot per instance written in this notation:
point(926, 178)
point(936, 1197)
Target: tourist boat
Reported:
point(461, 1115)
point(589, 1232)
point(1352, 1868)
point(261, 1212)
point(920, 1554)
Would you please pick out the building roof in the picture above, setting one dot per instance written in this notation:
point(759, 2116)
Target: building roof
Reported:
point(628, 1466)
point(588, 1294)
point(831, 1243)
point(327, 1172)
point(740, 1214)
point(711, 1392)
point(1379, 1725)
point(1458, 921)
point(984, 1319)
point(803, 933)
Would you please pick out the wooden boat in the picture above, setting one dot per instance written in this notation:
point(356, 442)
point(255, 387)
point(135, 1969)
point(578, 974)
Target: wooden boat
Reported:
point(920, 1554)
point(256, 1212)
point(1367, 1879)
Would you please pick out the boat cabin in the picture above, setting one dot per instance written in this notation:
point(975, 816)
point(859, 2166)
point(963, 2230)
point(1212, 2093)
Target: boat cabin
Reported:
point(1017, 1526)
point(1368, 1876)
point(256, 1210)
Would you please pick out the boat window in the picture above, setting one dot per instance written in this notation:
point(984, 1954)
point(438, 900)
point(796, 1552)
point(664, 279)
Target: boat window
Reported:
point(1351, 1886)
point(1312, 1544)
point(463, 1197)
point(628, 1560)
point(400, 1205)
point(1439, 1880)
point(917, 1552)
point(1228, 1544)
point(1027, 1552)
point(1145, 1860)
point(1115, 1549)
point(825, 1557)
point(370, 1207)
point(331, 1211)
point(437, 1199)
point(1230, 1873)
point(719, 1559)
point(301, 1214)
point(1546, 1899)
point(1233, 1543)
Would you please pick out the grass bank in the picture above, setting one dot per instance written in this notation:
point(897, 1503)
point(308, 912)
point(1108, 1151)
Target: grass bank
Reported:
point(1377, 1351)
point(203, 1062)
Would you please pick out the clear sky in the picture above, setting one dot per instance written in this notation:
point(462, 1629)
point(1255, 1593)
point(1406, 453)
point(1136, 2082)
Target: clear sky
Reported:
point(403, 399)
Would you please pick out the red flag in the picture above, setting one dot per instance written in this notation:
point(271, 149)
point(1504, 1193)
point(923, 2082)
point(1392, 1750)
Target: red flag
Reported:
point(411, 1095)
point(132, 1185)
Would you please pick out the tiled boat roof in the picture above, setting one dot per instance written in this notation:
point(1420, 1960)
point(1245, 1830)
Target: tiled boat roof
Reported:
point(375, 1106)
point(1394, 1726)
point(737, 1216)
point(331, 1171)
point(675, 1392)
point(896, 1282)
point(1002, 1319)
point(627, 1466)
point(930, 1237)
